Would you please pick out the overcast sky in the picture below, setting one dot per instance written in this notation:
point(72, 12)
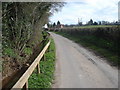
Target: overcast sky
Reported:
point(85, 10)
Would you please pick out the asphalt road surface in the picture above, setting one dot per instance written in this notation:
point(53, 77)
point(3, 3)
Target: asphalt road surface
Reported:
point(77, 67)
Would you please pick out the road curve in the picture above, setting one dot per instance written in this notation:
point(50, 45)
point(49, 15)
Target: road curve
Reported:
point(77, 67)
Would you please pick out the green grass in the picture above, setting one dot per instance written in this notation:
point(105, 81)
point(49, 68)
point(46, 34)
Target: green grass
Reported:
point(9, 52)
point(47, 67)
point(28, 51)
point(93, 26)
point(97, 47)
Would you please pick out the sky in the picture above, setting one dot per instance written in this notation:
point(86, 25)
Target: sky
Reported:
point(97, 10)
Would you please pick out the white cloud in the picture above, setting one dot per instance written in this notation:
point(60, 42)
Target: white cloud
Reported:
point(87, 9)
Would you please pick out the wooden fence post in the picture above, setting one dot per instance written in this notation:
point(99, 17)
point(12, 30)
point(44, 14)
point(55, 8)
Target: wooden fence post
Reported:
point(43, 58)
point(38, 68)
point(25, 87)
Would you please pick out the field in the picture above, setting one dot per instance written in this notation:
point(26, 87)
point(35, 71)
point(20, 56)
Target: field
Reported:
point(93, 26)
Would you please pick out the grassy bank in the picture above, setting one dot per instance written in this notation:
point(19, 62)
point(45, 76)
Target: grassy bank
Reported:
point(47, 67)
point(96, 44)
point(94, 26)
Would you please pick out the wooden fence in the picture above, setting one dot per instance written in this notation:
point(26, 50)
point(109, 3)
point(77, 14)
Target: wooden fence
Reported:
point(23, 81)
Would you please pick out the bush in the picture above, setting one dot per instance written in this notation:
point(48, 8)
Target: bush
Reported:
point(9, 52)
point(28, 51)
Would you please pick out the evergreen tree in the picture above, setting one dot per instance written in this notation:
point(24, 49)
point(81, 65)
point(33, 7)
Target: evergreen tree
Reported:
point(58, 24)
point(54, 24)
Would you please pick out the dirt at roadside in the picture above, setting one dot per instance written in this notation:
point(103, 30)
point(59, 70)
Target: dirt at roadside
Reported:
point(9, 66)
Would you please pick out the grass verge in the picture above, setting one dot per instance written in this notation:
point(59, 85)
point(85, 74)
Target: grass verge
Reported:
point(95, 26)
point(47, 67)
point(113, 58)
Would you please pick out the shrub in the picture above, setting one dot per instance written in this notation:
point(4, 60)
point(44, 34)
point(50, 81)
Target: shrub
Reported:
point(9, 52)
point(28, 51)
